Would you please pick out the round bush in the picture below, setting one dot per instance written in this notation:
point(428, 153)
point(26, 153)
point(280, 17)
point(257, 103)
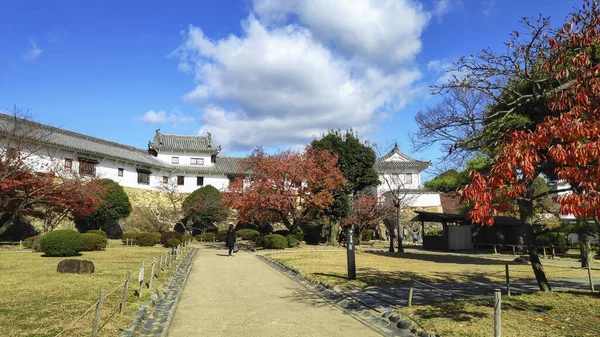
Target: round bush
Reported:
point(366, 235)
point(299, 234)
point(33, 243)
point(222, 235)
point(165, 237)
point(62, 242)
point(172, 243)
point(292, 240)
point(187, 237)
point(274, 241)
point(130, 236)
point(248, 234)
point(93, 241)
point(98, 231)
point(148, 239)
point(206, 237)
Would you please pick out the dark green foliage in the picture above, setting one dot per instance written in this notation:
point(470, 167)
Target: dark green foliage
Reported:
point(222, 235)
point(172, 243)
point(147, 239)
point(33, 243)
point(165, 237)
point(452, 180)
point(19, 230)
point(206, 237)
point(62, 242)
point(93, 241)
point(312, 233)
point(355, 159)
point(292, 240)
point(187, 237)
point(248, 234)
point(274, 241)
point(131, 236)
point(299, 234)
point(551, 239)
point(115, 202)
point(356, 240)
point(98, 231)
point(205, 206)
point(282, 232)
point(432, 232)
point(366, 235)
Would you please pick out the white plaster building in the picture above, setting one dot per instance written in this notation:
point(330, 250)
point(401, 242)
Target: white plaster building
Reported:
point(401, 173)
point(188, 161)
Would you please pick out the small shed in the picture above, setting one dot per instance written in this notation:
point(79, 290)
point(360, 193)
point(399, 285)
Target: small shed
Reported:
point(506, 230)
point(455, 234)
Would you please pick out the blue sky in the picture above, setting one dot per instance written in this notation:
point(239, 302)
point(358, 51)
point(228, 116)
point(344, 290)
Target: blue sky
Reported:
point(262, 72)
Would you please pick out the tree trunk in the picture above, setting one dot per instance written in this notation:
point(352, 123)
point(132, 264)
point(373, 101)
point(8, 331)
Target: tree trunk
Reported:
point(400, 249)
point(332, 232)
point(391, 243)
point(526, 214)
point(586, 250)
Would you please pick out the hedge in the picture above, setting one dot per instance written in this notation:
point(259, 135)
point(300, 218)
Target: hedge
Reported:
point(33, 243)
point(148, 239)
point(222, 235)
point(98, 231)
point(62, 242)
point(93, 241)
point(274, 241)
point(248, 234)
point(131, 236)
point(172, 243)
point(366, 235)
point(206, 237)
point(165, 237)
point(187, 237)
point(292, 240)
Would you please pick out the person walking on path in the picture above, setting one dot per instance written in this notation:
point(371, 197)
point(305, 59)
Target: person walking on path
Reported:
point(231, 237)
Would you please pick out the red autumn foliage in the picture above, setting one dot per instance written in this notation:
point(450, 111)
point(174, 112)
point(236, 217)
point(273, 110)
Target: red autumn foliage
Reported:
point(367, 211)
point(568, 139)
point(290, 187)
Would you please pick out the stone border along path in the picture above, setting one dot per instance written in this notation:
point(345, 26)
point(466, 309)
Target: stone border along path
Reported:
point(242, 296)
point(163, 302)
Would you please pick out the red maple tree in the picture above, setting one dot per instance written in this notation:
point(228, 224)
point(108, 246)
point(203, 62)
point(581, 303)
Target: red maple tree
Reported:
point(367, 211)
point(291, 187)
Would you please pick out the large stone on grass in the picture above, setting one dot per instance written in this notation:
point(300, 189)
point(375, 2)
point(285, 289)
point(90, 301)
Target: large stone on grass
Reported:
point(75, 266)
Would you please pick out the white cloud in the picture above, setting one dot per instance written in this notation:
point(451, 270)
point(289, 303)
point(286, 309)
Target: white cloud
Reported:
point(488, 6)
point(441, 8)
point(279, 84)
point(33, 53)
point(386, 32)
point(161, 117)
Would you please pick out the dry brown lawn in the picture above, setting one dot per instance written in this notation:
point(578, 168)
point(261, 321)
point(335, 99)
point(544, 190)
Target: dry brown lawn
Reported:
point(35, 300)
point(375, 269)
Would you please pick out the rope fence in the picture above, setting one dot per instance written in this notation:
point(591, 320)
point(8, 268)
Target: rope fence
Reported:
point(171, 258)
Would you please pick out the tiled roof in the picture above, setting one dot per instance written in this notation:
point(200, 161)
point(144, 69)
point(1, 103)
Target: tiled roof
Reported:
point(383, 164)
point(69, 140)
point(182, 142)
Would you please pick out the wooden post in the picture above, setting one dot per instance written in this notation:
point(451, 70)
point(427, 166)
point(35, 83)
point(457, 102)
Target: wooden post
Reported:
point(590, 275)
point(96, 324)
point(553, 253)
point(20, 244)
point(125, 291)
point(497, 313)
point(544, 248)
point(152, 273)
point(410, 292)
point(513, 247)
point(495, 250)
point(141, 279)
point(507, 280)
point(160, 265)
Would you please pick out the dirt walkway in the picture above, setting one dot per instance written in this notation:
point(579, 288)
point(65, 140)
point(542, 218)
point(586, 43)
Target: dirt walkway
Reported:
point(242, 296)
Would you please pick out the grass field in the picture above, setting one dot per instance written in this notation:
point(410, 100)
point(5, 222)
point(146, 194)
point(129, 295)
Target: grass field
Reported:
point(35, 300)
point(475, 317)
point(375, 269)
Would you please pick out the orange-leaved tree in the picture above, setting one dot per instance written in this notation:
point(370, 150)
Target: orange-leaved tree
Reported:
point(291, 187)
point(568, 139)
point(367, 211)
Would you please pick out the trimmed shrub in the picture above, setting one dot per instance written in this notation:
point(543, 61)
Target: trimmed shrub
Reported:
point(98, 231)
point(165, 237)
point(299, 234)
point(274, 241)
point(62, 242)
point(131, 236)
point(222, 235)
point(187, 237)
point(356, 240)
point(366, 235)
point(206, 237)
point(148, 239)
point(33, 243)
point(93, 241)
point(248, 234)
point(172, 243)
point(292, 240)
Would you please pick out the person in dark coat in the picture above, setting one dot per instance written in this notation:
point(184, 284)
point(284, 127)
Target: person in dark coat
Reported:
point(231, 237)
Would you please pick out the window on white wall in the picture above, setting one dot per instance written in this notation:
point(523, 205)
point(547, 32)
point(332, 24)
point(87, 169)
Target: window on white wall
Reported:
point(120, 172)
point(180, 180)
point(408, 178)
point(196, 161)
point(68, 163)
point(87, 166)
point(200, 181)
point(143, 176)
point(165, 180)
point(174, 160)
